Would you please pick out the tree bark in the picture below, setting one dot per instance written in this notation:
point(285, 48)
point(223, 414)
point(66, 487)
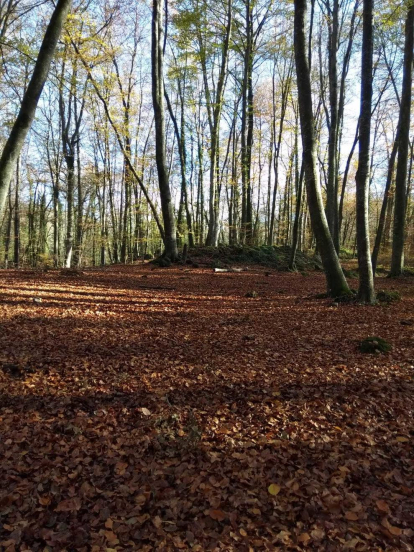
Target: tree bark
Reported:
point(17, 217)
point(170, 238)
point(397, 259)
point(31, 97)
point(336, 282)
point(366, 293)
point(213, 224)
point(332, 183)
point(383, 212)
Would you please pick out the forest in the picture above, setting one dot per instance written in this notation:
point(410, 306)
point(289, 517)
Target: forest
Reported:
point(206, 275)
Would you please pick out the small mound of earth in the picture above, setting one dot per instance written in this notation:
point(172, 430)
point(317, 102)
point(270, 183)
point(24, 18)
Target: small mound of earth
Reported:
point(270, 256)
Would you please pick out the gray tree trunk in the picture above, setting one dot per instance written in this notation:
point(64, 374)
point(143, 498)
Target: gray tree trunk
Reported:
point(170, 237)
point(397, 259)
point(214, 118)
point(332, 184)
point(17, 217)
point(383, 212)
point(31, 97)
point(366, 291)
point(336, 282)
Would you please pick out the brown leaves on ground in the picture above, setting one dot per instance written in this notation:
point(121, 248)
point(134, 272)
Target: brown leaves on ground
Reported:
point(182, 415)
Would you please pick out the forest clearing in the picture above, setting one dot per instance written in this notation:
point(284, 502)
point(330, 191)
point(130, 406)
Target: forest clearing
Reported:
point(173, 409)
point(206, 275)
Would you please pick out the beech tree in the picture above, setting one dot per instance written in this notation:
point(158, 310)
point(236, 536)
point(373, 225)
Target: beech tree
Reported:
point(397, 259)
point(214, 156)
point(337, 284)
point(31, 98)
point(366, 292)
point(157, 71)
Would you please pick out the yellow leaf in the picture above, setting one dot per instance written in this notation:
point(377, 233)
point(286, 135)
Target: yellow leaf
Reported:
point(304, 537)
point(402, 439)
point(243, 533)
point(274, 489)
point(145, 411)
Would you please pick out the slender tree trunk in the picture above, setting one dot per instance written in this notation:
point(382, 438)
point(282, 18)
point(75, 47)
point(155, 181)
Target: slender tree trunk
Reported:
point(336, 282)
point(332, 184)
point(213, 225)
point(170, 237)
point(286, 87)
point(383, 212)
point(31, 97)
point(70, 164)
point(397, 259)
point(7, 238)
point(295, 231)
point(180, 137)
point(79, 218)
point(17, 217)
point(345, 178)
point(247, 128)
point(366, 293)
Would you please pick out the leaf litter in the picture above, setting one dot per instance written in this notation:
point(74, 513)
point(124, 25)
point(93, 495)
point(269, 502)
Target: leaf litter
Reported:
point(182, 415)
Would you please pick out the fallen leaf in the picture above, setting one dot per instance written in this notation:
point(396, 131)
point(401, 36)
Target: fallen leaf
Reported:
point(111, 537)
point(304, 538)
point(274, 489)
point(351, 544)
point(218, 515)
point(157, 521)
point(382, 506)
point(120, 468)
point(109, 523)
point(396, 531)
point(69, 505)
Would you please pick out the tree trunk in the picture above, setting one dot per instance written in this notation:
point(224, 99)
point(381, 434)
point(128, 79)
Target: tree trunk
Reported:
point(70, 164)
point(247, 129)
point(7, 237)
point(397, 259)
point(366, 293)
point(213, 224)
point(79, 219)
point(170, 237)
point(17, 217)
point(332, 183)
point(336, 282)
point(31, 97)
point(383, 212)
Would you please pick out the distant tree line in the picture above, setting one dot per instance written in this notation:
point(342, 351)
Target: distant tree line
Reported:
point(239, 122)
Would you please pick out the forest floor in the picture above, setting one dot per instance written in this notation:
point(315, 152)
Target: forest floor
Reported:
point(162, 409)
